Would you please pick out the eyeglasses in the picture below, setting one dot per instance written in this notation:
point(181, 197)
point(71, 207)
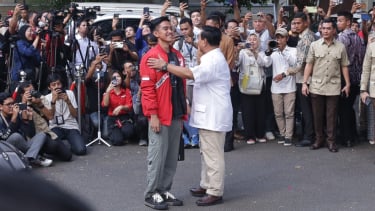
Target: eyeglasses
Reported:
point(8, 104)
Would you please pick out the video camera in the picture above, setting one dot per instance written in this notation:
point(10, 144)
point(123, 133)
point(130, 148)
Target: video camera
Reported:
point(86, 13)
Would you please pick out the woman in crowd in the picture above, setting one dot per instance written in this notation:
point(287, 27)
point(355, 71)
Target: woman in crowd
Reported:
point(253, 99)
point(119, 102)
point(26, 54)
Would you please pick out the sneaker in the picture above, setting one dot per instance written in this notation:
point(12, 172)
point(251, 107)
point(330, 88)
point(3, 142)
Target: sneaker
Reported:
point(142, 142)
point(171, 200)
point(281, 140)
point(156, 202)
point(270, 136)
point(41, 161)
point(372, 142)
point(250, 141)
point(261, 140)
point(288, 142)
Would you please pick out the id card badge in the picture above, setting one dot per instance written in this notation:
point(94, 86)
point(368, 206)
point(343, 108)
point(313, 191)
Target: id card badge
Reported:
point(59, 120)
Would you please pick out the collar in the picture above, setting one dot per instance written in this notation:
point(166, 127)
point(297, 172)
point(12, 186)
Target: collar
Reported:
point(322, 42)
point(79, 37)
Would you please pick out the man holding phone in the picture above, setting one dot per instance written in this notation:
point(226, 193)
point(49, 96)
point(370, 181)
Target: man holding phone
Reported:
point(355, 48)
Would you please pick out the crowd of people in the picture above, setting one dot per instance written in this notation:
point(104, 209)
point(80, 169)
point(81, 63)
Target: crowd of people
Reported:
point(297, 81)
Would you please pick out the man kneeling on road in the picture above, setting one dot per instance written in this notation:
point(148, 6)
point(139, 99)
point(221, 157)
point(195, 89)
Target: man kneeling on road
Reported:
point(210, 115)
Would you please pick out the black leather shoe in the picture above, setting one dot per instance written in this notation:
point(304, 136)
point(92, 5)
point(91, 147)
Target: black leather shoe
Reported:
point(209, 200)
point(303, 143)
point(348, 143)
point(198, 192)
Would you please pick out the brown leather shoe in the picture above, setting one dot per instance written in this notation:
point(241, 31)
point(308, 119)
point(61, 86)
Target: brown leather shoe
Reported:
point(332, 147)
point(209, 200)
point(316, 145)
point(198, 192)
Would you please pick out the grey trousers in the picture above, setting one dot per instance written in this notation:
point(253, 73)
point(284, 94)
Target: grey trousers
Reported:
point(32, 147)
point(162, 157)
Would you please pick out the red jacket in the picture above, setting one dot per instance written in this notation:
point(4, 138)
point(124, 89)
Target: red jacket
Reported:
point(156, 92)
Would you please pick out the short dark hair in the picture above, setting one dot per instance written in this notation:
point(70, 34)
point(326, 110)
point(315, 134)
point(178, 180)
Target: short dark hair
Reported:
point(117, 32)
point(221, 16)
point(346, 14)
point(211, 34)
point(186, 20)
point(53, 77)
point(330, 20)
point(157, 21)
point(22, 86)
point(230, 21)
point(4, 96)
point(301, 15)
point(214, 18)
point(193, 11)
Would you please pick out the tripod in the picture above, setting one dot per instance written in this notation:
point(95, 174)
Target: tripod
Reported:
point(99, 139)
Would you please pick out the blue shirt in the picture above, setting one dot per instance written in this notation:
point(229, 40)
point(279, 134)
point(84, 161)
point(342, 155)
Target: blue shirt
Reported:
point(26, 58)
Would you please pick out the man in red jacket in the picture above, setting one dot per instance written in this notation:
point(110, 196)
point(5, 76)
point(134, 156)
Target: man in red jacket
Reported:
point(163, 102)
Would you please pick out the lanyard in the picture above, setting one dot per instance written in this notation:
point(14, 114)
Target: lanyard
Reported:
point(189, 50)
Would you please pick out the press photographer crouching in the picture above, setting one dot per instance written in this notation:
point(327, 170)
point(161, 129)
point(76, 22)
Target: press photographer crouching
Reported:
point(16, 128)
point(119, 102)
point(62, 121)
point(32, 98)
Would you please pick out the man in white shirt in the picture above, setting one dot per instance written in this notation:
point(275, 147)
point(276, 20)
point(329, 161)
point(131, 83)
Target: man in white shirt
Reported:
point(283, 88)
point(209, 114)
point(62, 104)
point(86, 49)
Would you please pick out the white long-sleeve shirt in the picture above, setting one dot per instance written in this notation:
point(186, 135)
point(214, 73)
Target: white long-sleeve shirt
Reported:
point(281, 61)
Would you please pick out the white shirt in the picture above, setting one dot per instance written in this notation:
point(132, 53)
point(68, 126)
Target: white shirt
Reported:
point(280, 62)
point(83, 43)
point(188, 50)
point(212, 107)
point(61, 109)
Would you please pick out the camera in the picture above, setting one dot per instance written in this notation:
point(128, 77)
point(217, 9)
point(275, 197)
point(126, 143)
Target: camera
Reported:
point(247, 45)
point(272, 44)
point(35, 94)
point(114, 81)
point(118, 44)
point(22, 106)
point(146, 11)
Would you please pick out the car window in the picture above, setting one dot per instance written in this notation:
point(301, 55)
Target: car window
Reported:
point(106, 25)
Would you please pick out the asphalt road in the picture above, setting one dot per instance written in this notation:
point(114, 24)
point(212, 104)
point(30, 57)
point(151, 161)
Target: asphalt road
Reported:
point(258, 177)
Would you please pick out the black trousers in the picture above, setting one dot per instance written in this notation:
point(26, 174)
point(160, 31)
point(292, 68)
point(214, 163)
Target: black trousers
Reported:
point(253, 114)
point(347, 120)
point(307, 115)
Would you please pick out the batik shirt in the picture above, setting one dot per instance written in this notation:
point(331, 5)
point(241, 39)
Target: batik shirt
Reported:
point(355, 48)
point(303, 46)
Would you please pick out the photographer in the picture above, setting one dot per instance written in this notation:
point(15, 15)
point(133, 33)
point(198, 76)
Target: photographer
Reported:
point(85, 49)
point(15, 22)
point(26, 54)
point(15, 127)
point(119, 50)
point(120, 105)
point(33, 99)
point(63, 107)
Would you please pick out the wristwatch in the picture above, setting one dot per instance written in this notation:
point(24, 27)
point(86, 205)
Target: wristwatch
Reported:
point(283, 74)
point(164, 67)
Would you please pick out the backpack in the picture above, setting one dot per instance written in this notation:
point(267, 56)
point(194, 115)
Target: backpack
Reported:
point(11, 159)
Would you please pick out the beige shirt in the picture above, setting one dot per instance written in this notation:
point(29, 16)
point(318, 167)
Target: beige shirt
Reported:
point(327, 62)
point(368, 71)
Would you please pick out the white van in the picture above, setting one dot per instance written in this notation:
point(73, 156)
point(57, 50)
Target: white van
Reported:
point(129, 13)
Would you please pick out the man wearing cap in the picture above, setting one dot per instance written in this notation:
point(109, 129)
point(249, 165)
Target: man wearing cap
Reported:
point(283, 89)
point(306, 37)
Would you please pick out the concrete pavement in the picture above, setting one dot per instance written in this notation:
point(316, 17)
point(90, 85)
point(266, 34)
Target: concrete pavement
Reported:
point(258, 177)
